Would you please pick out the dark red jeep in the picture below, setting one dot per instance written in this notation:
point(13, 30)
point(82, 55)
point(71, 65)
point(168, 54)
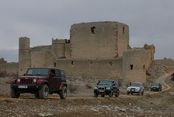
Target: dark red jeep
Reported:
point(41, 82)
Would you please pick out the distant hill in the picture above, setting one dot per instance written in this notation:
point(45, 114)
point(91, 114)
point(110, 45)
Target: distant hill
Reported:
point(9, 55)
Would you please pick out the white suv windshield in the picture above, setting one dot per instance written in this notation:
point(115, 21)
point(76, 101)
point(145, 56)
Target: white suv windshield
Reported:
point(136, 84)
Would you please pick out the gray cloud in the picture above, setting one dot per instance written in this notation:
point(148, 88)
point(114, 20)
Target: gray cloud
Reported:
point(150, 21)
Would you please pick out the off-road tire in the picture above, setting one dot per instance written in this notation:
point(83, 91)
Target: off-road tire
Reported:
point(111, 94)
point(142, 93)
point(36, 95)
point(63, 93)
point(102, 95)
point(95, 94)
point(44, 91)
point(14, 93)
point(117, 94)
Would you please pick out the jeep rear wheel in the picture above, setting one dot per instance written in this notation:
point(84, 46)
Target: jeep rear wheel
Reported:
point(63, 93)
point(14, 93)
point(43, 92)
point(36, 95)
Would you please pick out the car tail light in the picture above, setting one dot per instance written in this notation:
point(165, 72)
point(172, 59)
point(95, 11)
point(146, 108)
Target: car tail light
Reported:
point(18, 80)
point(34, 80)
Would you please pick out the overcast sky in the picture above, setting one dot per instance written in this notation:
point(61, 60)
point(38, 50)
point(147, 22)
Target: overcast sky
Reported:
point(150, 21)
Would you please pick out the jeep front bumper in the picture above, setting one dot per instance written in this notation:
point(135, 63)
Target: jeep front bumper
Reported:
point(26, 88)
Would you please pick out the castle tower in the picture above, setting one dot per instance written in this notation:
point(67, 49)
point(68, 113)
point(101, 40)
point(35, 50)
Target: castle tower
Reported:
point(24, 54)
point(135, 64)
point(58, 47)
point(99, 40)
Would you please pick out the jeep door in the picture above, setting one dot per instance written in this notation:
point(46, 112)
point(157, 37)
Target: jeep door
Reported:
point(58, 79)
point(53, 80)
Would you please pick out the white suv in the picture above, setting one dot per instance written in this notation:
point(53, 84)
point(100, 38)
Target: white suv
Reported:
point(135, 87)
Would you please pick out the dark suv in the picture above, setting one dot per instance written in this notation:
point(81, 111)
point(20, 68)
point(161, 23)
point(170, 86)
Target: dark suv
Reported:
point(156, 87)
point(106, 87)
point(41, 82)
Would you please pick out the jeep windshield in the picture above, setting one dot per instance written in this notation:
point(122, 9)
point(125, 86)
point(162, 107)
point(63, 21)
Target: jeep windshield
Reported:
point(37, 71)
point(104, 82)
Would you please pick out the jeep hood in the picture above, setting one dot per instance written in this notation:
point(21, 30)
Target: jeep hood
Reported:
point(29, 77)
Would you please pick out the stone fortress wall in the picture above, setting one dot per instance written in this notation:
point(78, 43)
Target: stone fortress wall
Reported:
point(95, 49)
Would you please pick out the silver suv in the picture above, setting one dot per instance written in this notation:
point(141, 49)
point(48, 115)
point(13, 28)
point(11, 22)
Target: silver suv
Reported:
point(135, 87)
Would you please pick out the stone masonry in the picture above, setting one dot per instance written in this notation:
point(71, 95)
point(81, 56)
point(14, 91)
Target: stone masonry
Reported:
point(96, 49)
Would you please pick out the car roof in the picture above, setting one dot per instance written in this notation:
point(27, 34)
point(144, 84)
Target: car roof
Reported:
point(137, 82)
point(44, 68)
point(107, 80)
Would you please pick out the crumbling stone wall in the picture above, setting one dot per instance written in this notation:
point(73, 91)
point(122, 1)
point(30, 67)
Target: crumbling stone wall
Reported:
point(39, 56)
point(100, 69)
point(136, 61)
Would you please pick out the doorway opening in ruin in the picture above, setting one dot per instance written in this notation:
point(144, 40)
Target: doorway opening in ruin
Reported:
point(131, 67)
point(93, 29)
point(55, 64)
point(72, 62)
point(110, 63)
point(144, 67)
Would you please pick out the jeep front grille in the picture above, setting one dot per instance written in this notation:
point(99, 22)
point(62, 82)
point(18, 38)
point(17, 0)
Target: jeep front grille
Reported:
point(26, 81)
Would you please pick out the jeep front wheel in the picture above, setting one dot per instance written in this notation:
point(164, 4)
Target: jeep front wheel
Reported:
point(14, 93)
point(63, 93)
point(43, 92)
point(111, 94)
point(95, 94)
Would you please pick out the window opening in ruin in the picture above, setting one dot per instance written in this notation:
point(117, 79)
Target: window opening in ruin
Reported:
point(131, 67)
point(67, 41)
point(72, 62)
point(91, 62)
point(110, 63)
point(144, 67)
point(123, 30)
point(55, 64)
point(93, 29)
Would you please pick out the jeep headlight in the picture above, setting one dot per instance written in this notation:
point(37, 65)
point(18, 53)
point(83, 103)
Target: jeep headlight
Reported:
point(18, 80)
point(34, 80)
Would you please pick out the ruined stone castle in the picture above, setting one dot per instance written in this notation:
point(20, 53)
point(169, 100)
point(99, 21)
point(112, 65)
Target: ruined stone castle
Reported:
point(95, 49)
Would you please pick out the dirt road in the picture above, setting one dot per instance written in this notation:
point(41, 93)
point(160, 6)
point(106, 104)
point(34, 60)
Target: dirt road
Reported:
point(151, 104)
